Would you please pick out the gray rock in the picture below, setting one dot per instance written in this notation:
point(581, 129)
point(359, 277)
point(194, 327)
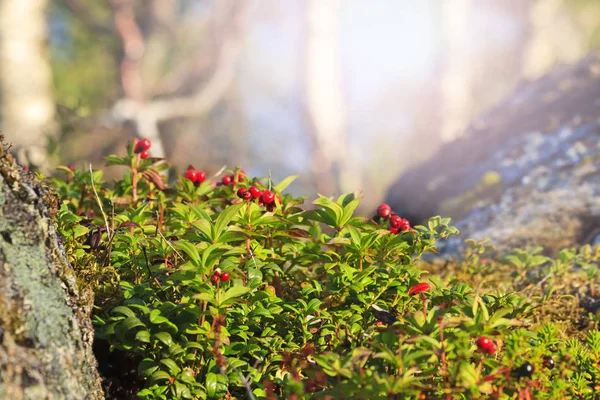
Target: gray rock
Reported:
point(527, 174)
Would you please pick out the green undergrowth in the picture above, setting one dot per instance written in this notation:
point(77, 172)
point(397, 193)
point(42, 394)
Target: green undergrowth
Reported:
point(317, 302)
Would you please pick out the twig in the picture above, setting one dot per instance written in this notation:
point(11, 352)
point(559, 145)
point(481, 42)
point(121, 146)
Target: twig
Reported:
point(99, 202)
point(169, 243)
point(244, 379)
point(148, 267)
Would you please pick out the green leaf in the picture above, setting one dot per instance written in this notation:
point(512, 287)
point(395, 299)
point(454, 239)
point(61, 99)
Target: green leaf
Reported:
point(232, 293)
point(225, 218)
point(280, 187)
point(159, 376)
point(123, 327)
point(147, 367)
point(156, 318)
point(115, 160)
point(216, 385)
point(164, 337)
point(348, 211)
point(171, 365)
point(126, 311)
point(189, 249)
point(332, 208)
point(143, 336)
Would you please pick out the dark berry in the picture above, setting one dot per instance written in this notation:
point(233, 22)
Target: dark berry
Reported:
point(255, 192)
point(241, 193)
point(228, 180)
point(548, 362)
point(525, 370)
point(224, 276)
point(247, 195)
point(385, 317)
point(191, 175)
point(144, 154)
point(267, 197)
point(384, 211)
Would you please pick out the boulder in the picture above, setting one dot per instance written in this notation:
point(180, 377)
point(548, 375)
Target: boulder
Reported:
point(46, 333)
point(527, 173)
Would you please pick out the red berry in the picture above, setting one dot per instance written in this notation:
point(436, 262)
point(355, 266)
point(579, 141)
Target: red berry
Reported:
point(255, 192)
point(146, 143)
point(267, 197)
point(384, 211)
point(142, 145)
point(144, 154)
point(191, 175)
point(403, 225)
point(241, 175)
point(486, 345)
point(228, 180)
point(200, 177)
point(271, 207)
point(241, 193)
point(224, 276)
point(393, 230)
point(215, 278)
point(419, 288)
point(395, 221)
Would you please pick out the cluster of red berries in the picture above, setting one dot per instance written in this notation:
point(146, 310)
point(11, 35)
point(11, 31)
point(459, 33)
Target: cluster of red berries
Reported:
point(141, 147)
point(230, 179)
point(397, 223)
point(266, 197)
point(197, 177)
point(219, 276)
point(486, 345)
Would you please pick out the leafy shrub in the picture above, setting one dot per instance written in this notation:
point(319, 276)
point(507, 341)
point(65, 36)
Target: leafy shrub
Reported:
point(320, 303)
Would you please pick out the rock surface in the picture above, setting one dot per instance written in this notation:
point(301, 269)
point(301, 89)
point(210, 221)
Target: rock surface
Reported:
point(45, 328)
point(525, 174)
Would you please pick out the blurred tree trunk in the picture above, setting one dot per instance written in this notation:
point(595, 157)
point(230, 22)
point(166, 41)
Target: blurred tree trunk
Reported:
point(324, 100)
point(27, 104)
point(555, 36)
point(457, 70)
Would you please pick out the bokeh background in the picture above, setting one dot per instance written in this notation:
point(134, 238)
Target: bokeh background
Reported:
point(347, 94)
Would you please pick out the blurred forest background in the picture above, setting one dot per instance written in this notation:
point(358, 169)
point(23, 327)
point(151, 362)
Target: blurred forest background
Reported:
point(345, 93)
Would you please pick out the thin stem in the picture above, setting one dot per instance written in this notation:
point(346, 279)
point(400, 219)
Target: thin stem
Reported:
point(99, 202)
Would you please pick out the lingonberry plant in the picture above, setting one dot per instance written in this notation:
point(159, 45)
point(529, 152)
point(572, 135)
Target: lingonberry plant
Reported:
point(229, 288)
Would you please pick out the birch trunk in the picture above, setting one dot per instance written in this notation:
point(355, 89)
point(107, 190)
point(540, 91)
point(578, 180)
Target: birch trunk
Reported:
point(324, 99)
point(27, 103)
